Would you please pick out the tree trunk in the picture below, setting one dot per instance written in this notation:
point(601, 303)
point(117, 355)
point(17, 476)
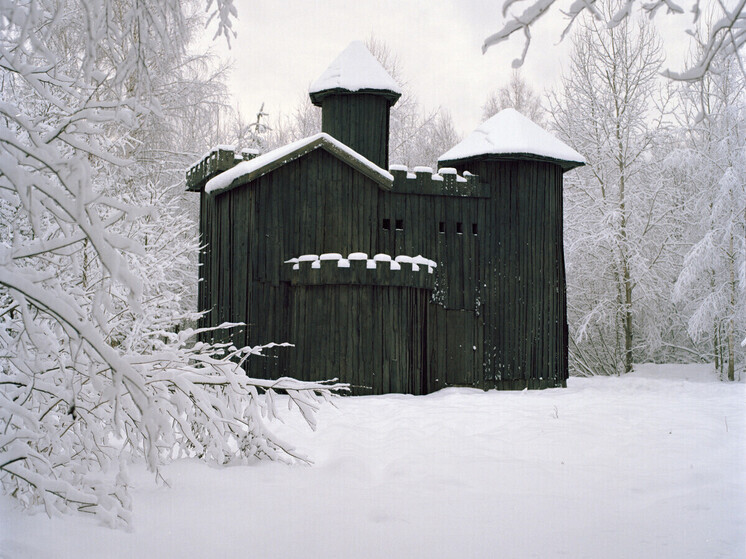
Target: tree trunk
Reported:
point(624, 254)
point(731, 319)
point(627, 321)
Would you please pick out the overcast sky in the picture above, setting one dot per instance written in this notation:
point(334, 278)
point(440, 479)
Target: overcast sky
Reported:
point(284, 45)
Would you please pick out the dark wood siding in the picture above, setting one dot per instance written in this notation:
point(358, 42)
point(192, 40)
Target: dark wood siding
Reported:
point(455, 332)
point(493, 314)
point(368, 335)
point(524, 301)
point(360, 121)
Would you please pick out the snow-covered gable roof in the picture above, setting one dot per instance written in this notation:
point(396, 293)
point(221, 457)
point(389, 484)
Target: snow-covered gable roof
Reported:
point(355, 70)
point(509, 133)
point(247, 171)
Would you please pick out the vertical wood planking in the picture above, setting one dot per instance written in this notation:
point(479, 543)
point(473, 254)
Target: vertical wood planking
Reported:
point(525, 304)
point(504, 288)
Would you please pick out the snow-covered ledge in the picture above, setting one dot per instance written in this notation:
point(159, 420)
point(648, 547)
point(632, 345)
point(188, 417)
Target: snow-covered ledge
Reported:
point(386, 260)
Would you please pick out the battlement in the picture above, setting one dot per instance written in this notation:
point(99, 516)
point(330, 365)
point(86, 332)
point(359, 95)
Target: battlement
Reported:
point(218, 159)
point(446, 182)
point(359, 269)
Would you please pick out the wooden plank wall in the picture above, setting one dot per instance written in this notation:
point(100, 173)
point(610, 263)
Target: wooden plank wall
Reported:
point(497, 314)
point(360, 121)
point(370, 336)
point(444, 221)
point(203, 284)
point(524, 299)
point(326, 206)
point(212, 285)
point(313, 205)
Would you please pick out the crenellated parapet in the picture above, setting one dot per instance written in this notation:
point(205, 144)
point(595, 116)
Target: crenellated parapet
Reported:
point(358, 269)
point(218, 159)
point(446, 182)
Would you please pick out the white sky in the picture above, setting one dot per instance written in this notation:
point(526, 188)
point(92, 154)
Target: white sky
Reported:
point(284, 45)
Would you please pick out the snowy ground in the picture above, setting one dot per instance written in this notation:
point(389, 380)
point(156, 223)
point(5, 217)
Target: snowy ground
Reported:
point(649, 465)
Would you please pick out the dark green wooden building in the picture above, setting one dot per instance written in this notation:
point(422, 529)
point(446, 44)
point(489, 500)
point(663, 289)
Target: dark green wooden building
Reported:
point(391, 280)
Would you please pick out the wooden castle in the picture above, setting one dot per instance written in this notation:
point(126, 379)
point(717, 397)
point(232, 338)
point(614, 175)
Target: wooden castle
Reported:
point(389, 279)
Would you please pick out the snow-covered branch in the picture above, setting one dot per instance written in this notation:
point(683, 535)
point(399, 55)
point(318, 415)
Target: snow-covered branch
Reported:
point(726, 37)
point(97, 258)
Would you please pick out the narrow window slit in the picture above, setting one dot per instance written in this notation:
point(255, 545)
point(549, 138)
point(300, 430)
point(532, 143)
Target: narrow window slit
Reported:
point(459, 228)
point(400, 225)
point(474, 229)
point(386, 224)
point(442, 227)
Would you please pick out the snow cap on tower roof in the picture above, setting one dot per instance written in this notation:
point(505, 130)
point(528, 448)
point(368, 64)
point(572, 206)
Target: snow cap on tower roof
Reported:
point(355, 70)
point(509, 135)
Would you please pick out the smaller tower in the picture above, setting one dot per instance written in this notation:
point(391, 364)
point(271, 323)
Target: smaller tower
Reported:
point(523, 267)
point(355, 94)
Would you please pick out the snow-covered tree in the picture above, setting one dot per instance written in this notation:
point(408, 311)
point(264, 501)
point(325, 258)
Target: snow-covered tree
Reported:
point(304, 121)
point(617, 235)
point(517, 94)
point(250, 135)
point(725, 38)
point(92, 371)
point(416, 136)
point(161, 146)
point(711, 286)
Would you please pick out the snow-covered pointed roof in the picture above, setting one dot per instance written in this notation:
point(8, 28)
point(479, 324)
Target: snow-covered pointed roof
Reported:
point(247, 171)
point(355, 70)
point(509, 133)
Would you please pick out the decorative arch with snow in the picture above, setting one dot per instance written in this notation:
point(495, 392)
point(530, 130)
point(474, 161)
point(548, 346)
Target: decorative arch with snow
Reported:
point(389, 279)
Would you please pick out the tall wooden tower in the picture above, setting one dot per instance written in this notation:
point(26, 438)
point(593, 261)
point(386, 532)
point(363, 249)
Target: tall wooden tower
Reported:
point(355, 94)
point(523, 266)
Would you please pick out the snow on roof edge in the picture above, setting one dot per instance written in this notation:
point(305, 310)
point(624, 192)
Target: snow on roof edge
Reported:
point(355, 69)
point(566, 164)
point(289, 152)
point(509, 133)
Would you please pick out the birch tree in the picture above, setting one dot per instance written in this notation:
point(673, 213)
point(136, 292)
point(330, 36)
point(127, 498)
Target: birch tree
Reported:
point(615, 232)
point(517, 94)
